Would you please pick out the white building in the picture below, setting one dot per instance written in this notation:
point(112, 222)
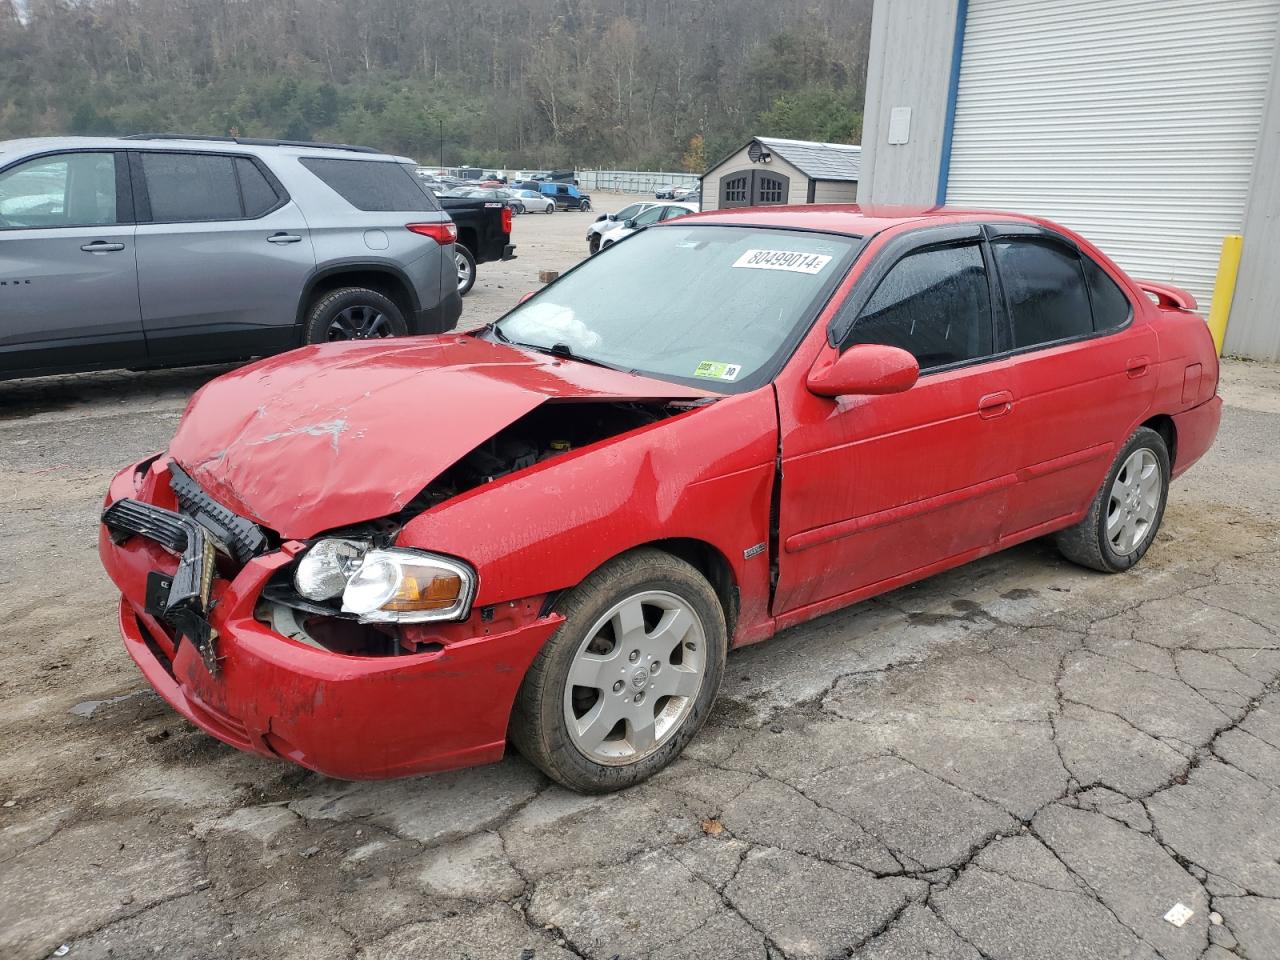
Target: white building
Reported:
point(1151, 126)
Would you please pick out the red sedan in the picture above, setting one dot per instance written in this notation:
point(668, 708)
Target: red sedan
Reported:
point(379, 559)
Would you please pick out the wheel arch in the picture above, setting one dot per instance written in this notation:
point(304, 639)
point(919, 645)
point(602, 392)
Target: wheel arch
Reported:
point(385, 278)
point(1163, 424)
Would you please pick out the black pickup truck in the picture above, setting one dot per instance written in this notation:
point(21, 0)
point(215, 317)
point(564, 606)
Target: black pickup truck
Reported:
point(484, 235)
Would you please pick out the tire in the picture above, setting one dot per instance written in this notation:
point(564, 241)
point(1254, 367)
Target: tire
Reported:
point(1130, 504)
point(648, 588)
point(593, 245)
point(466, 264)
point(584, 206)
point(551, 208)
point(353, 313)
point(518, 209)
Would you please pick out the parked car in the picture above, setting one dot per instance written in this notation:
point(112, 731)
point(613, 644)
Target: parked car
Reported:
point(484, 232)
point(687, 194)
point(665, 192)
point(750, 419)
point(566, 196)
point(531, 201)
point(606, 221)
point(654, 213)
point(160, 251)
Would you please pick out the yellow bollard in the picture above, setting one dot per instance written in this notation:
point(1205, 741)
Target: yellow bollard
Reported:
point(1224, 288)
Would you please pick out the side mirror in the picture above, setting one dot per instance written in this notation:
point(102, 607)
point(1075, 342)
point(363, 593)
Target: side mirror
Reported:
point(866, 369)
point(629, 224)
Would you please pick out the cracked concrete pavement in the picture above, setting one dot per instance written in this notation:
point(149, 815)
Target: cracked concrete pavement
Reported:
point(1015, 760)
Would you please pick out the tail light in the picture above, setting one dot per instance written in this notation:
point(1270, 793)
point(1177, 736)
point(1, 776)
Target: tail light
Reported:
point(441, 233)
point(506, 219)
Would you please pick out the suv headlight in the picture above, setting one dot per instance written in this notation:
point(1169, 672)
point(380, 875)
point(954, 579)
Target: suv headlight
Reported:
point(392, 585)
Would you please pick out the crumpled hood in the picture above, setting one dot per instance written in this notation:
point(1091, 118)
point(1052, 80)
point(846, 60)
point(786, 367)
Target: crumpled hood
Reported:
point(339, 433)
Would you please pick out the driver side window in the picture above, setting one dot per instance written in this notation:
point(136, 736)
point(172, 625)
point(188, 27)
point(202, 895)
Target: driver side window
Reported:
point(652, 215)
point(933, 303)
point(67, 190)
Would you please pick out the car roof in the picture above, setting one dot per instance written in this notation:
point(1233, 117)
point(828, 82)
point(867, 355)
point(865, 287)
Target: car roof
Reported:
point(850, 218)
point(32, 145)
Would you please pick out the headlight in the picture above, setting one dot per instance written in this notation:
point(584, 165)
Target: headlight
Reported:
point(409, 586)
point(324, 570)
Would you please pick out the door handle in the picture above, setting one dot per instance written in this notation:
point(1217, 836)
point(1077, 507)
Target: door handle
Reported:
point(1136, 367)
point(995, 405)
point(101, 246)
point(284, 238)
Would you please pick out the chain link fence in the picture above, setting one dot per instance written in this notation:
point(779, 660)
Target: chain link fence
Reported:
point(633, 181)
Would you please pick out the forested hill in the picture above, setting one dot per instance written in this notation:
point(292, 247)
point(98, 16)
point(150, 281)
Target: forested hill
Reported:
point(629, 83)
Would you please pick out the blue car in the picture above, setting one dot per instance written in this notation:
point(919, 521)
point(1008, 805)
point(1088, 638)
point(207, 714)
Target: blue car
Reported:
point(566, 196)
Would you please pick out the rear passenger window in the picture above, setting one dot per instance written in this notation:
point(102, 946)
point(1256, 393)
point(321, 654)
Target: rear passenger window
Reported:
point(259, 196)
point(934, 304)
point(1111, 308)
point(184, 187)
point(371, 185)
point(1044, 291)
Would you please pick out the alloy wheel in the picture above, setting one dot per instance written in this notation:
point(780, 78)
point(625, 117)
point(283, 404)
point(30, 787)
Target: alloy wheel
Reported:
point(464, 271)
point(635, 678)
point(359, 322)
point(1134, 502)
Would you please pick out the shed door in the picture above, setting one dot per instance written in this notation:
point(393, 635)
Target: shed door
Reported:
point(1135, 124)
point(753, 188)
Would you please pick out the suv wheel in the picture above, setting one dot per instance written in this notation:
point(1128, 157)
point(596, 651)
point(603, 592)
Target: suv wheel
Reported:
point(354, 313)
point(466, 269)
point(585, 206)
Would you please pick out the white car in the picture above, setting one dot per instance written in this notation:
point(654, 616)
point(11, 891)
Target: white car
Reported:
point(620, 229)
point(530, 201)
point(607, 221)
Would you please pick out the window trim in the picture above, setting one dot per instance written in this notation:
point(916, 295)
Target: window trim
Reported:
point(142, 194)
point(126, 206)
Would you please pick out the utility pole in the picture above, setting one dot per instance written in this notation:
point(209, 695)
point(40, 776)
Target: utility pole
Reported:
point(442, 146)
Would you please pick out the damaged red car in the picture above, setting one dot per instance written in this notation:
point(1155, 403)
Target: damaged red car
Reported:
point(386, 558)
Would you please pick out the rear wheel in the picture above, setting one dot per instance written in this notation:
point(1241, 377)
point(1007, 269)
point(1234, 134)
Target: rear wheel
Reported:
point(628, 679)
point(354, 313)
point(466, 264)
point(518, 208)
point(1126, 513)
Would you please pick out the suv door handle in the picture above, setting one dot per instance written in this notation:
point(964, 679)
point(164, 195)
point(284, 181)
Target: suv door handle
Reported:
point(1136, 367)
point(284, 238)
point(101, 246)
point(995, 405)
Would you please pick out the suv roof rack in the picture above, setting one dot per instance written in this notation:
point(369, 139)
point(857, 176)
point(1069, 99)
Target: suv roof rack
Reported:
point(255, 141)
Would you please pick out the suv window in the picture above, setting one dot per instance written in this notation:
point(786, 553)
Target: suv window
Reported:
point(66, 190)
point(371, 185)
point(1044, 291)
point(935, 304)
point(255, 189)
point(646, 217)
point(185, 187)
point(1111, 308)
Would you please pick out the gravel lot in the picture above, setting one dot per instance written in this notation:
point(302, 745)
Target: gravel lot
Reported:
point(1015, 760)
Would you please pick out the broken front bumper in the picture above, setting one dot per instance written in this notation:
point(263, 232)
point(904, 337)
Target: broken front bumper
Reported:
point(346, 716)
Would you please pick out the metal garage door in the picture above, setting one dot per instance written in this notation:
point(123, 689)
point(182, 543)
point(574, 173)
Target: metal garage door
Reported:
point(1132, 121)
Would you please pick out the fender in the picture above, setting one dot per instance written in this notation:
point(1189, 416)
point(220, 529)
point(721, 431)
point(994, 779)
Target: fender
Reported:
point(367, 264)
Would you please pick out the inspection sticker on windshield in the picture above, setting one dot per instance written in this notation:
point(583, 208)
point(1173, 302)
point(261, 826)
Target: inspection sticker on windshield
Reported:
point(790, 260)
point(714, 370)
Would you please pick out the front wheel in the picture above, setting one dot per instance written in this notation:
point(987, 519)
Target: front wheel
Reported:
point(593, 243)
point(466, 264)
point(1126, 512)
point(551, 208)
point(585, 206)
point(353, 313)
point(628, 678)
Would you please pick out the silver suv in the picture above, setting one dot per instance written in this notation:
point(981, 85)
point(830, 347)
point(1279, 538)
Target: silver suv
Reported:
point(158, 251)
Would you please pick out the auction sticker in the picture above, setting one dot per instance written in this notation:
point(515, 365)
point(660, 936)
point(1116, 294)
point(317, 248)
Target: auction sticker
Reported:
point(714, 370)
point(789, 260)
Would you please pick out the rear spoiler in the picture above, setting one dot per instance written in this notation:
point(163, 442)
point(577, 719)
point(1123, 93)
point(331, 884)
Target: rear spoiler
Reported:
point(1167, 296)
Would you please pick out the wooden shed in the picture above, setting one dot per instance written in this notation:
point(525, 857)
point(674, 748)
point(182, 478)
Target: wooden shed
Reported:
point(769, 170)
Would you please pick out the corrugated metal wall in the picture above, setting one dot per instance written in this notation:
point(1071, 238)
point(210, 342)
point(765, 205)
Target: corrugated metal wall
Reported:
point(1134, 122)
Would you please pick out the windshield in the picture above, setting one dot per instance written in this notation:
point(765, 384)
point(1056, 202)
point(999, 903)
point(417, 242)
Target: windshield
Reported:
point(626, 213)
point(713, 306)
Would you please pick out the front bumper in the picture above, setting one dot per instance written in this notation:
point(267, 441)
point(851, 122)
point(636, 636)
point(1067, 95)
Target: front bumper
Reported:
point(350, 717)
